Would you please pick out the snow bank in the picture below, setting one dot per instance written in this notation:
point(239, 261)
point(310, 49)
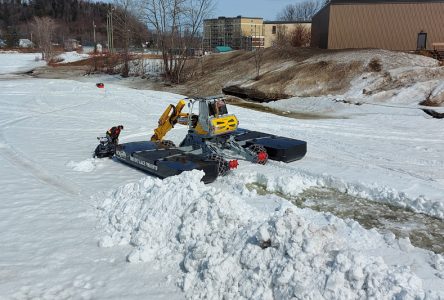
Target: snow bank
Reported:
point(404, 78)
point(8, 52)
point(72, 56)
point(229, 249)
point(389, 59)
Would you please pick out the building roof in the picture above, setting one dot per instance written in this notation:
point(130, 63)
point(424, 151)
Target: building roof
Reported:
point(238, 17)
point(381, 1)
point(286, 22)
point(340, 2)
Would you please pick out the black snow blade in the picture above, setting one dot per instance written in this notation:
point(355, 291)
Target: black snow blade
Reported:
point(278, 148)
point(153, 159)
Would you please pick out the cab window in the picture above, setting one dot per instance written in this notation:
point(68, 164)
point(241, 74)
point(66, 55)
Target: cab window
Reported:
point(218, 108)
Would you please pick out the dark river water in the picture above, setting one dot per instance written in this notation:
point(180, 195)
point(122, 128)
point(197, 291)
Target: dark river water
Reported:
point(422, 230)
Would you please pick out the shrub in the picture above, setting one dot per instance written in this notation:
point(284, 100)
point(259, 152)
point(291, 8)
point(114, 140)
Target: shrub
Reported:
point(375, 65)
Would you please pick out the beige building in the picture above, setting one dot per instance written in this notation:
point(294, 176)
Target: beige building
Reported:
point(274, 29)
point(245, 33)
point(387, 24)
point(237, 33)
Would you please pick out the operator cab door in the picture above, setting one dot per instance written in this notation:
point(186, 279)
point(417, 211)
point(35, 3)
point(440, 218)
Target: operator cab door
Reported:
point(204, 116)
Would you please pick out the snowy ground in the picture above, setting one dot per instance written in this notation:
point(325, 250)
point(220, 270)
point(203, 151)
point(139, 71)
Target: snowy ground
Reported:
point(12, 62)
point(77, 227)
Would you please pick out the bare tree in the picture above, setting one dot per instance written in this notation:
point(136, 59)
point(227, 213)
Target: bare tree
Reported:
point(258, 58)
point(122, 28)
point(44, 29)
point(288, 13)
point(303, 11)
point(300, 36)
point(176, 23)
point(282, 36)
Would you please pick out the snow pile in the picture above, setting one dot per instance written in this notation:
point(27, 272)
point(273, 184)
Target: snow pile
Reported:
point(228, 249)
point(86, 166)
point(69, 57)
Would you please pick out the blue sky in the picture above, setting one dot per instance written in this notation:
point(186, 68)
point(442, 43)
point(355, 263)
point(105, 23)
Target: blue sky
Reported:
point(268, 9)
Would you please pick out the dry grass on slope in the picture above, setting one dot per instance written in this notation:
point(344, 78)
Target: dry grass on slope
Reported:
point(312, 78)
point(217, 70)
point(283, 72)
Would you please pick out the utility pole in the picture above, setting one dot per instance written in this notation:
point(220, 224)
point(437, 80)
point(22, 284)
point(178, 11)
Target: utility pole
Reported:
point(109, 30)
point(95, 44)
point(94, 28)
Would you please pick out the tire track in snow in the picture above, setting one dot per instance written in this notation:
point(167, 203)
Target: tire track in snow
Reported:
point(18, 159)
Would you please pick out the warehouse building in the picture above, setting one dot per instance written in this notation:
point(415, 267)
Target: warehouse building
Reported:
point(388, 24)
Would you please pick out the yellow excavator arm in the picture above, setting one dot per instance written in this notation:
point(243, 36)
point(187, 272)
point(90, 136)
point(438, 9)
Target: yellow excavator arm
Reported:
point(168, 119)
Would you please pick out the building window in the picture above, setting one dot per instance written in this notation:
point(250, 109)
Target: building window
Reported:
point(273, 30)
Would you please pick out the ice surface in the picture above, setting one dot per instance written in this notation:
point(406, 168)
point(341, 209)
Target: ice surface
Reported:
point(192, 240)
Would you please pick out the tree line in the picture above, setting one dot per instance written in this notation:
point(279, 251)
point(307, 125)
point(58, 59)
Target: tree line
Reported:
point(72, 18)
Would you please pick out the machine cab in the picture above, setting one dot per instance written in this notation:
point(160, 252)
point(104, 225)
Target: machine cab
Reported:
point(214, 118)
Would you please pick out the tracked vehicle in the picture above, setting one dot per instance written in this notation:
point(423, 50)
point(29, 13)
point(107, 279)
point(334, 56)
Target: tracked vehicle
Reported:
point(214, 143)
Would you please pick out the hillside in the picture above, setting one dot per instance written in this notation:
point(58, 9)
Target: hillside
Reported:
point(74, 19)
point(373, 75)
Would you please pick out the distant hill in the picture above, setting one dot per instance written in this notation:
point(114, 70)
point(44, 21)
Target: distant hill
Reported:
point(74, 19)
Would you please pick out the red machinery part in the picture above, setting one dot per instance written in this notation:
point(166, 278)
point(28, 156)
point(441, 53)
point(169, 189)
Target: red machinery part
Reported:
point(233, 164)
point(262, 156)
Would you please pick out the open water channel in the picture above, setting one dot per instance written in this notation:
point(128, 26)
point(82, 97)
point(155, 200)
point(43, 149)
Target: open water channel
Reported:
point(422, 230)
